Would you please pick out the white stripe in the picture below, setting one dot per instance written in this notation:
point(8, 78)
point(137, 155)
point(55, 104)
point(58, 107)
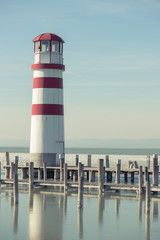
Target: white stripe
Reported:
point(47, 96)
point(47, 73)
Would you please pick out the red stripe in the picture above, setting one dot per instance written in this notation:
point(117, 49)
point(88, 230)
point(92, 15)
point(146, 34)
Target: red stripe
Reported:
point(47, 109)
point(48, 66)
point(46, 82)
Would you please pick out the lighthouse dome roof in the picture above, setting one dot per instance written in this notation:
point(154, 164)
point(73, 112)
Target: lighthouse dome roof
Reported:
point(48, 36)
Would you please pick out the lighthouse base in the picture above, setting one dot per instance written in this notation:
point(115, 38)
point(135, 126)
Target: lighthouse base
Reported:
point(40, 158)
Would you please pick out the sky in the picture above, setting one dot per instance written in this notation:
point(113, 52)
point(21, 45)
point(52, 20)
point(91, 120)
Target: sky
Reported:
point(112, 59)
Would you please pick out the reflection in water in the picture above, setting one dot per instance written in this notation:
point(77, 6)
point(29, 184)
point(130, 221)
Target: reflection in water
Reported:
point(140, 208)
point(155, 210)
point(12, 199)
point(15, 218)
point(100, 208)
point(30, 202)
point(117, 204)
point(80, 222)
point(65, 203)
point(147, 226)
point(45, 219)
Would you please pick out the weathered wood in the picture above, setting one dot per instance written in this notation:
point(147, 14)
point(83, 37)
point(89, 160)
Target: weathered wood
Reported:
point(76, 160)
point(80, 192)
point(44, 171)
point(12, 170)
point(16, 164)
point(65, 176)
point(107, 161)
point(15, 188)
point(90, 176)
point(117, 178)
point(140, 180)
point(155, 175)
point(7, 170)
point(31, 174)
point(125, 177)
point(61, 168)
point(119, 162)
point(148, 161)
point(132, 177)
point(109, 176)
point(39, 173)
point(100, 174)
point(155, 160)
point(0, 170)
point(147, 197)
point(89, 161)
point(146, 175)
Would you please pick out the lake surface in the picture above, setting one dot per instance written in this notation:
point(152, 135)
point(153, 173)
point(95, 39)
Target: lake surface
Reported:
point(46, 215)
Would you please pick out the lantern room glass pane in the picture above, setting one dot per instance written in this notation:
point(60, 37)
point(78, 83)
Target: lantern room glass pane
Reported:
point(44, 46)
point(61, 47)
point(55, 46)
point(37, 46)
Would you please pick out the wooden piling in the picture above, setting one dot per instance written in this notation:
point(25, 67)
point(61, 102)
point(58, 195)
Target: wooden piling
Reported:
point(107, 161)
point(89, 161)
point(7, 170)
point(155, 175)
point(109, 176)
point(119, 162)
point(0, 170)
point(16, 164)
point(15, 187)
point(100, 174)
point(61, 168)
point(76, 160)
point(44, 171)
point(146, 175)
point(118, 171)
point(155, 160)
point(80, 192)
point(39, 173)
point(31, 175)
point(140, 180)
point(132, 177)
point(125, 177)
point(90, 176)
point(12, 170)
point(65, 176)
point(147, 197)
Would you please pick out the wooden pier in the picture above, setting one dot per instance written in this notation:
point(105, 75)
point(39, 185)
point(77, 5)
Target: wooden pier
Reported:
point(103, 178)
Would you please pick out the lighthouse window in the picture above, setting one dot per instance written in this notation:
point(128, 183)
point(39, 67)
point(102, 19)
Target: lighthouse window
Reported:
point(61, 48)
point(44, 46)
point(37, 46)
point(55, 46)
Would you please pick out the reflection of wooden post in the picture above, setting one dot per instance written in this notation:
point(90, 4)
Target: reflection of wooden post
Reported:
point(80, 192)
point(15, 218)
point(15, 187)
point(65, 176)
point(147, 197)
point(31, 174)
point(155, 209)
point(140, 208)
point(30, 200)
point(7, 170)
point(100, 208)
point(100, 174)
point(117, 203)
point(107, 161)
point(147, 226)
point(80, 223)
point(44, 171)
point(117, 180)
point(140, 179)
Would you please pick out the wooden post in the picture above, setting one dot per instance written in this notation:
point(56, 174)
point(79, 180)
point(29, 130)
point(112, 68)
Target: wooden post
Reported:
point(155, 175)
point(103, 174)
point(148, 161)
point(79, 170)
point(132, 177)
point(119, 162)
point(100, 174)
point(155, 160)
point(146, 175)
point(7, 170)
point(16, 164)
point(125, 177)
point(140, 179)
point(90, 176)
point(61, 168)
point(31, 174)
point(39, 173)
point(89, 161)
point(117, 179)
point(76, 160)
point(15, 187)
point(109, 176)
point(44, 171)
point(65, 176)
point(107, 161)
point(0, 170)
point(147, 197)
point(12, 170)
point(80, 192)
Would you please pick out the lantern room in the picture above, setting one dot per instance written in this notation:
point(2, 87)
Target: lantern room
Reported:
point(48, 48)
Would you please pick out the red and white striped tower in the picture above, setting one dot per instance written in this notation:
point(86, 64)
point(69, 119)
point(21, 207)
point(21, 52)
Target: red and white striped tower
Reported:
point(47, 123)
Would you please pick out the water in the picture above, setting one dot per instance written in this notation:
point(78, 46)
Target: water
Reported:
point(44, 215)
point(115, 151)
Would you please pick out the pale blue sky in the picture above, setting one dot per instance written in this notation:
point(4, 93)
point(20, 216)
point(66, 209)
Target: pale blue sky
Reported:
point(112, 58)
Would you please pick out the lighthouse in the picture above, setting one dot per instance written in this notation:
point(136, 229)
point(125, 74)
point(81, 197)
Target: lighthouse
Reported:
point(47, 121)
